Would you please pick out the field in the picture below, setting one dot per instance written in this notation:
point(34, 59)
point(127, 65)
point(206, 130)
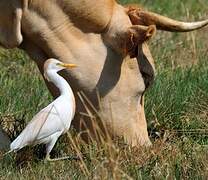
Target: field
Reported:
point(176, 109)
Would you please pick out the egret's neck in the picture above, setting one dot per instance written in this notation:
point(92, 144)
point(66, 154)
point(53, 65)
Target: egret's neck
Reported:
point(60, 83)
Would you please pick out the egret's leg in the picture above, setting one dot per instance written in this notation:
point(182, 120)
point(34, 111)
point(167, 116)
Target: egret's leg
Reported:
point(49, 148)
point(50, 145)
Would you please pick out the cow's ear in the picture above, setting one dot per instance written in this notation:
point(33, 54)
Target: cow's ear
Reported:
point(136, 35)
point(10, 22)
point(150, 32)
point(142, 33)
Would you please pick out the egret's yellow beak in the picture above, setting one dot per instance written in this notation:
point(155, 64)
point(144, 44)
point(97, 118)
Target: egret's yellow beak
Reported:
point(69, 66)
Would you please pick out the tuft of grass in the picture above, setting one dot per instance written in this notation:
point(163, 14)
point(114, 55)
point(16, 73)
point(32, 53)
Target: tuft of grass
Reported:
point(176, 109)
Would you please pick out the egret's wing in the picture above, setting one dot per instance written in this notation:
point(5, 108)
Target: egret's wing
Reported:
point(43, 124)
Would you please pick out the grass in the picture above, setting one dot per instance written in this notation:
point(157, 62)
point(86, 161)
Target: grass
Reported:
point(176, 109)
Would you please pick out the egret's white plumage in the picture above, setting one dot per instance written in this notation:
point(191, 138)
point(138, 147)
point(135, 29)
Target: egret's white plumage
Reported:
point(55, 119)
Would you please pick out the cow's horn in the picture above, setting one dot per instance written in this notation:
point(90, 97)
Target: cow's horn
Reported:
point(162, 22)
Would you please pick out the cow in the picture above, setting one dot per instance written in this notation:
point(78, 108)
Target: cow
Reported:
point(107, 41)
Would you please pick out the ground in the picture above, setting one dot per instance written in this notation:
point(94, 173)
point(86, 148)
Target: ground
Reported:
point(176, 109)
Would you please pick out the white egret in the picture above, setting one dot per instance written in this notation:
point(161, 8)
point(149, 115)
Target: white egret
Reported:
point(55, 119)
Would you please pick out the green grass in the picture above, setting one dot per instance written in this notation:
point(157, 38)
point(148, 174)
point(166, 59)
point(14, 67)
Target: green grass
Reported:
point(176, 109)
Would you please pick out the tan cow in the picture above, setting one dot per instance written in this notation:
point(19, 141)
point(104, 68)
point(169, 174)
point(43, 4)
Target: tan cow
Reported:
point(99, 36)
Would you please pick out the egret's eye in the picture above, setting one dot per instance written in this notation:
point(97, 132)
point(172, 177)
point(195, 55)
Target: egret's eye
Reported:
point(58, 64)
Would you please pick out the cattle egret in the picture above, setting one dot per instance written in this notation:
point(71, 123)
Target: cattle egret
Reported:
point(53, 120)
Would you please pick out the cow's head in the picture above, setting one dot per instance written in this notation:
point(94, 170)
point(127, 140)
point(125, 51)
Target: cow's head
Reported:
point(131, 27)
point(10, 22)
